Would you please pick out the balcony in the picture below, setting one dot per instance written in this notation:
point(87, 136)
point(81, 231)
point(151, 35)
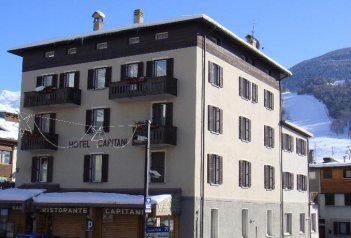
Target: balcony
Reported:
point(39, 142)
point(54, 97)
point(160, 136)
point(138, 89)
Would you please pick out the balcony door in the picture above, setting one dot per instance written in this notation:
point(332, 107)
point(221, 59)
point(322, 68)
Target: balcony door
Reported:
point(162, 114)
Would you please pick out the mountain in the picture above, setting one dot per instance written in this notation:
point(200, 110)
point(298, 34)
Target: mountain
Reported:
point(9, 101)
point(333, 66)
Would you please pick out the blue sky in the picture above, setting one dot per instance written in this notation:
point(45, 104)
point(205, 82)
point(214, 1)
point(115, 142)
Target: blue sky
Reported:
point(290, 31)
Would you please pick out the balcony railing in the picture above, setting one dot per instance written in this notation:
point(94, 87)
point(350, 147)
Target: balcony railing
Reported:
point(39, 142)
point(61, 96)
point(143, 88)
point(160, 136)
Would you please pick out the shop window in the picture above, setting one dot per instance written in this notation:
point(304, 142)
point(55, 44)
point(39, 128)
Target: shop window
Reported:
point(5, 157)
point(42, 168)
point(95, 168)
point(99, 78)
point(98, 120)
point(158, 167)
point(215, 76)
point(69, 80)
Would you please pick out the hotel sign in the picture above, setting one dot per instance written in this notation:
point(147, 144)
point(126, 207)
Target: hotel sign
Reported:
point(64, 210)
point(124, 211)
point(117, 142)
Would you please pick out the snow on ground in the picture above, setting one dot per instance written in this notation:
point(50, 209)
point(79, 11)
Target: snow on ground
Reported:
point(312, 115)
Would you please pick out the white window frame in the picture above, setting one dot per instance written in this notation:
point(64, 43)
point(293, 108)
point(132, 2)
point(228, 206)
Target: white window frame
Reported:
point(244, 223)
point(41, 170)
point(269, 223)
point(313, 222)
point(302, 223)
point(95, 168)
point(287, 223)
point(214, 223)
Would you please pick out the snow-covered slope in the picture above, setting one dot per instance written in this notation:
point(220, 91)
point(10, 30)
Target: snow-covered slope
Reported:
point(312, 115)
point(9, 102)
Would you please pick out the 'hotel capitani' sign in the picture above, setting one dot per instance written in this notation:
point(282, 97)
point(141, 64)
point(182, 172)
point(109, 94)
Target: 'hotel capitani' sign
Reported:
point(117, 142)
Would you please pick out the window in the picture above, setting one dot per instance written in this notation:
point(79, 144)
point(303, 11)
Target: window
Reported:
point(215, 74)
point(244, 174)
point(42, 169)
point(244, 88)
point(244, 129)
point(313, 222)
point(161, 35)
point(132, 70)
point(300, 146)
point(287, 223)
point(269, 180)
point(45, 81)
point(301, 182)
point(327, 174)
point(341, 228)
point(98, 119)
point(101, 46)
point(69, 80)
point(49, 54)
point(287, 142)
point(288, 180)
point(158, 165)
point(95, 168)
point(134, 40)
point(347, 173)
point(160, 68)
point(302, 222)
point(254, 93)
point(72, 51)
point(162, 114)
point(4, 216)
point(329, 199)
point(268, 137)
point(99, 78)
point(347, 198)
point(44, 123)
point(5, 157)
point(268, 99)
point(244, 223)
point(214, 223)
point(215, 119)
point(269, 223)
point(214, 169)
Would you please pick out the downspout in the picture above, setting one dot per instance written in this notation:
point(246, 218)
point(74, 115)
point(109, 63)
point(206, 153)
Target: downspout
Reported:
point(308, 192)
point(203, 109)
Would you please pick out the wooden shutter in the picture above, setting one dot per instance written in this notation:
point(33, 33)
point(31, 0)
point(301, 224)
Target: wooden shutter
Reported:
point(210, 72)
point(292, 180)
point(240, 86)
point(272, 135)
point(348, 228)
point(88, 121)
point(335, 228)
point(124, 72)
point(62, 80)
point(37, 123)
point(140, 69)
point(248, 89)
point(221, 121)
point(241, 173)
point(54, 80)
point(108, 76)
point(76, 79)
point(157, 114)
point(170, 63)
point(169, 114)
point(221, 77)
point(273, 177)
point(249, 129)
point(52, 123)
point(249, 171)
point(106, 119)
point(210, 118)
point(86, 169)
point(149, 69)
point(265, 98)
point(39, 81)
point(266, 176)
point(240, 128)
point(34, 177)
point(50, 169)
point(298, 151)
point(220, 164)
point(272, 101)
point(104, 169)
point(284, 142)
point(265, 135)
point(210, 168)
point(298, 184)
point(90, 79)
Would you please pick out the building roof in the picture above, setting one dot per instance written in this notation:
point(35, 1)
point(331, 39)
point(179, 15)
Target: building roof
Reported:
point(331, 165)
point(296, 128)
point(8, 130)
point(19, 49)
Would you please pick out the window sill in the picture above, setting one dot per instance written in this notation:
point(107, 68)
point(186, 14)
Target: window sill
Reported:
point(269, 147)
point(246, 141)
point(98, 89)
point(244, 187)
point(269, 109)
point(216, 86)
point(214, 184)
point(287, 234)
point(215, 133)
point(246, 99)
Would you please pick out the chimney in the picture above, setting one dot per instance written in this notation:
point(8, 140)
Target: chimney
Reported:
point(138, 16)
point(253, 41)
point(98, 20)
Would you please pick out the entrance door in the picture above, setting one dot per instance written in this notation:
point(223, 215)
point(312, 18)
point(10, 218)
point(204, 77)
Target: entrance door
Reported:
point(121, 227)
point(322, 231)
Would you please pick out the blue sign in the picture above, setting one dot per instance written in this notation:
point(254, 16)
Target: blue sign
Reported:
point(160, 229)
point(147, 205)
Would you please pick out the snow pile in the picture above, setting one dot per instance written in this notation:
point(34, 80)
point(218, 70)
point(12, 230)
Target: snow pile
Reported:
point(18, 194)
point(9, 101)
point(8, 129)
point(96, 198)
point(312, 115)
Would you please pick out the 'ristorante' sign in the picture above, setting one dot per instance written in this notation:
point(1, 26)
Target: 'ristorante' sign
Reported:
point(100, 143)
point(65, 210)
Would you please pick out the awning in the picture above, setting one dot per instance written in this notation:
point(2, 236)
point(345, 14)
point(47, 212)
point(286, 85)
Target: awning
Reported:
point(18, 195)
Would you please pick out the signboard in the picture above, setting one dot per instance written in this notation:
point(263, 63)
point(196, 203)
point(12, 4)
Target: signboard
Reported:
point(101, 143)
point(124, 211)
point(89, 225)
point(147, 205)
point(64, 210)
point(157, 232)
point(164, 208)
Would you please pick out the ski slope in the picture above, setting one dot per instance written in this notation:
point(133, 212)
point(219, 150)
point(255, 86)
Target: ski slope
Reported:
point(312, 115)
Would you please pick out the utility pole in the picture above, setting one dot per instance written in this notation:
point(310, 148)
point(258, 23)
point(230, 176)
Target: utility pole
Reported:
point(146, 175)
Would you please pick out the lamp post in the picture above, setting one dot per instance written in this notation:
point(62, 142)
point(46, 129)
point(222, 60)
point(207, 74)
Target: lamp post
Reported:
point(146, 173)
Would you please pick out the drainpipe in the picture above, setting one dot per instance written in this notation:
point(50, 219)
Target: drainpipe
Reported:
point(308, 192)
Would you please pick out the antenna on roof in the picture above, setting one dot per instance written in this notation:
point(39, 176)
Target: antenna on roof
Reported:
point(253, 28)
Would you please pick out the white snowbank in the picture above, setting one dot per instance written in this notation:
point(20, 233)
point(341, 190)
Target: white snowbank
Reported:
point(18, 194)
point(312, 115)
point(96, 198)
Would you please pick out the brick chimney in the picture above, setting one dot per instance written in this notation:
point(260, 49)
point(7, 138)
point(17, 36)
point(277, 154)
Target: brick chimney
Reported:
point(138, 16)
point(98, 20)
point(253, 41)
